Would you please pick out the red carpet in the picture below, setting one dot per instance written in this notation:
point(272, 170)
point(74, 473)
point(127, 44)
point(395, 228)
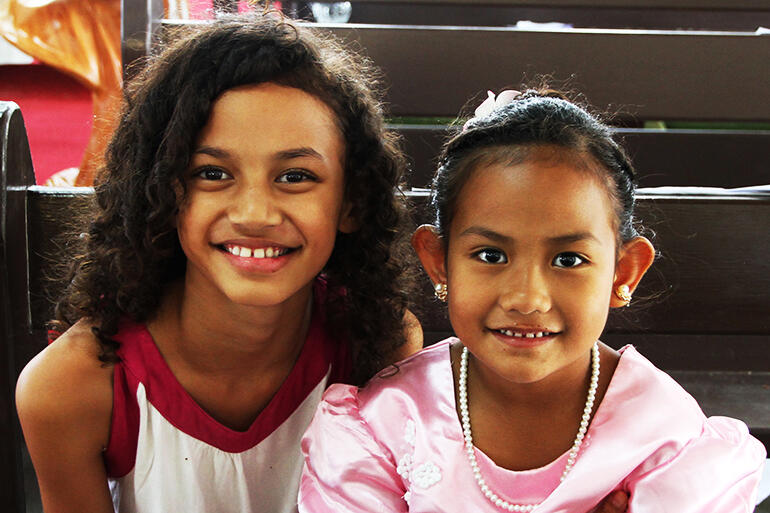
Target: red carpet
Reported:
point(57, 113)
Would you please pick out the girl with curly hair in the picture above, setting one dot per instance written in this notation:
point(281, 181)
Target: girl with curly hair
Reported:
point(526, 410)
point(244, 251)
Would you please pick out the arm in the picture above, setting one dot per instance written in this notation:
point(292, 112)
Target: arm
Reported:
point(64, 401)
point(717, 472)
point(346, 470)
point(616, 502)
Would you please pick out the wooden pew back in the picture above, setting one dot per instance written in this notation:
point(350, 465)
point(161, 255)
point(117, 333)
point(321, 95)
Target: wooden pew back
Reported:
point(714, 80)
point(16, 175)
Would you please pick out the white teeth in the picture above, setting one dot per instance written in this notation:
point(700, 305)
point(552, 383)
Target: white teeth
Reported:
point(538, 334)
point(243, 252)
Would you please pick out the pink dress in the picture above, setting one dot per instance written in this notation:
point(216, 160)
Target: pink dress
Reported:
point(397, 445)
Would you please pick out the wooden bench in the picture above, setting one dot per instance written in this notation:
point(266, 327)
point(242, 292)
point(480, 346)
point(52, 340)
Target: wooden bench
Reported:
point(30, 223)
point(672, 78)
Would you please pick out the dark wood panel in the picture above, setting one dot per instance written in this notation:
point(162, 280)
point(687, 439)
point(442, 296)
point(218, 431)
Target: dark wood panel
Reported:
point(732, 394)
point(631, 16)
point(713, 273)
point(51, 216)
point(16, 172)
point(706, 158)
point(640, 75)
point(699, 352)
point(650, 4)
point(699, 158)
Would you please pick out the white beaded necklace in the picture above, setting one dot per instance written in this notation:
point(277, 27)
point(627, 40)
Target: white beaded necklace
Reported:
point(466, 423)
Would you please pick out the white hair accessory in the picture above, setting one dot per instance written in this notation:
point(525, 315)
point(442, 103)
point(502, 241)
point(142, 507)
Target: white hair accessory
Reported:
point(492, 103)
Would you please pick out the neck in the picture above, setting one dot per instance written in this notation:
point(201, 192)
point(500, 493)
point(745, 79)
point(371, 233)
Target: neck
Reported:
point(210, 333)
point(565, 386)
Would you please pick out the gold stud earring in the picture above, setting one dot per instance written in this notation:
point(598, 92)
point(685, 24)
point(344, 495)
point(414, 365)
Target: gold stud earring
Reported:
point(441, 291)
point(624, 293)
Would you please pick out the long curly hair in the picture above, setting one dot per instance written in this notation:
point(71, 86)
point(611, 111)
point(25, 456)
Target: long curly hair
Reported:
point(131, 251)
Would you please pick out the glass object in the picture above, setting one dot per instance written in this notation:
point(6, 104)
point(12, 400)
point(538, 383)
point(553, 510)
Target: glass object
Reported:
point(331, 12)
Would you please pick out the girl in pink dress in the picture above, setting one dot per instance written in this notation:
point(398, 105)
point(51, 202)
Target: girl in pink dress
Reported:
point(525, 410)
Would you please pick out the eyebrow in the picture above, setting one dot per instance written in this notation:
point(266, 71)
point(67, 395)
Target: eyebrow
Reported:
point(295, 153)
point(212, 151)
point(292, 153)
point(573, 237)
point(487, 233)
point(499, 237)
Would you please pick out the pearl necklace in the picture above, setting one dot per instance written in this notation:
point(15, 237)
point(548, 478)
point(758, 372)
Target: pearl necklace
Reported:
point(573, 453)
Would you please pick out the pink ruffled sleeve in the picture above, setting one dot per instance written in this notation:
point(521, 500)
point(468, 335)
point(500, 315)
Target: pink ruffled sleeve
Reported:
point(346, 469)
point(717, 472)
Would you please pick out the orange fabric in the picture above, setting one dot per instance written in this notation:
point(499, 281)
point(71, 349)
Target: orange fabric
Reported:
point(81, 38)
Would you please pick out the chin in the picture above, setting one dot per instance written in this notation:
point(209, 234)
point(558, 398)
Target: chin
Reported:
point(525, 378)
point(258, 298)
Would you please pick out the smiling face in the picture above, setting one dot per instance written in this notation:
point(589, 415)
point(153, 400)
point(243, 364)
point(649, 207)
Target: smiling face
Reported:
point(265, 195)
point(529, 264)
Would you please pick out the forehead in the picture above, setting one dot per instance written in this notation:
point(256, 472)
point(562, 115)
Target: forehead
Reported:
point(536, 199)
point(272, 115)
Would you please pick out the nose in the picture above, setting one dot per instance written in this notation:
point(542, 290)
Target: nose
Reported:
point(525, 290)
point(254, 208)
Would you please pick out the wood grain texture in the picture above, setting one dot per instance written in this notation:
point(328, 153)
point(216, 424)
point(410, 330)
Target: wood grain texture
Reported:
point(17, 174)
point(643, 75)
point(705, 158)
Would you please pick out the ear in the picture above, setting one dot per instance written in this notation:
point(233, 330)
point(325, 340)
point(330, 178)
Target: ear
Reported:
point(348, 221)
point(634, 259)
point(430, 248)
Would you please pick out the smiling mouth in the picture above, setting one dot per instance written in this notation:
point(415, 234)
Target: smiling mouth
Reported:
point(525, 334)
point(258, 253)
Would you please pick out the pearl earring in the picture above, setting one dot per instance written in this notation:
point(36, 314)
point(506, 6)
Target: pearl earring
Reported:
point(441, 291)
point(624, 293)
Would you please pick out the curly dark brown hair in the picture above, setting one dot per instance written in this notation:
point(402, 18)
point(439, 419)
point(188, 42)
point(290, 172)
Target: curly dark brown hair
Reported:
point(131, 251)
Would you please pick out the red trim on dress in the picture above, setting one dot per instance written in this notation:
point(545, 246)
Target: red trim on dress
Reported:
point(120, 455)
point(142, 362)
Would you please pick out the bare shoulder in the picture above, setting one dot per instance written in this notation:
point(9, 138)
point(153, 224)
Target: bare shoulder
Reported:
point(609, 357)
point(64, 400)
point(66, 381)
point(413, 335)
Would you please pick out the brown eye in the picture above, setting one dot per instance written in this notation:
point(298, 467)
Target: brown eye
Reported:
point(212, 174)
point(295, 176)
point(567, 260)
point(491, 256)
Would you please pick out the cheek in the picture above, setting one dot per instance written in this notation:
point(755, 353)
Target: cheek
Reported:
point(191, 223)
point(471, 295)
point(589, 305)
point(320, 215)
